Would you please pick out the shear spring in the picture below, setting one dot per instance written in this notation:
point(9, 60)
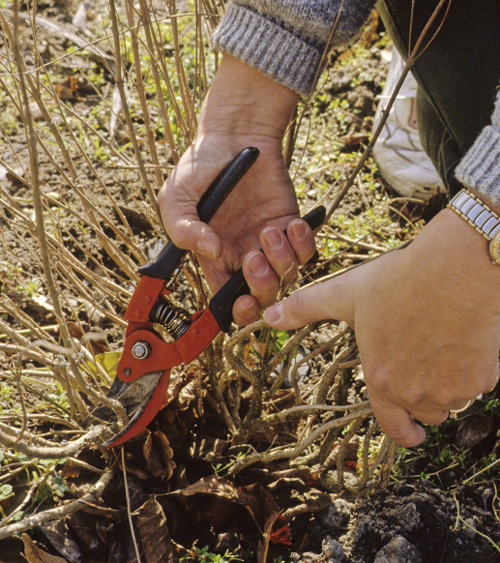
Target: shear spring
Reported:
point(175, 320)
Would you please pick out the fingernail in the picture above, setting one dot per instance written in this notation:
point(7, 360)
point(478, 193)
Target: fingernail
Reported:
point(274, 313)
point(206, 248)
point(252, 311)
point(257, 264)
point(272, 237)
point(298, 229)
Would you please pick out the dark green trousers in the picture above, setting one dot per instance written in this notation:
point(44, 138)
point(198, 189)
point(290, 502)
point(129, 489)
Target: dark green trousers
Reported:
point(458, 73)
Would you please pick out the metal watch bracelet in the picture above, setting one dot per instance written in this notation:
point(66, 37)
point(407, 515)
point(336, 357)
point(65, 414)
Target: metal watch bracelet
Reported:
point(481, 217)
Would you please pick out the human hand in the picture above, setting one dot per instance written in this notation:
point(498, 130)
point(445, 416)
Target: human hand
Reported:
point(243, 108)
point(427, 322)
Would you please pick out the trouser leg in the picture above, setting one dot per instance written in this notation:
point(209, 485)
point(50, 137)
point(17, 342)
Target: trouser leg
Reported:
point(458, 72)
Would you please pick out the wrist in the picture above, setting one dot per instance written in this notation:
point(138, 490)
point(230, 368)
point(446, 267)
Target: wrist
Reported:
point(482, 215)
point(455, 256)
point(242, 102)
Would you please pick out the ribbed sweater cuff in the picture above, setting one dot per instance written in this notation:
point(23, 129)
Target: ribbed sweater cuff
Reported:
point(480, 167)
point(269, 47)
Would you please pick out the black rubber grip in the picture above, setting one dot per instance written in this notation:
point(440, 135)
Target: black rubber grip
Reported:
point(165, 264)
point(221, 304)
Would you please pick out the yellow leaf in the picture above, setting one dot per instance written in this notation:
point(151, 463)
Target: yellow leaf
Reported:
point(108, 361)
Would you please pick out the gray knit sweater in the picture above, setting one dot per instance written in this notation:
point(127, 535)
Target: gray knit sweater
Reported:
point(286, 40)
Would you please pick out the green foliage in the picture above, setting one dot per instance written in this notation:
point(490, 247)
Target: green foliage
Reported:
point(203, 554)
point(6, 491)
point(281, 337)
point(440, 460)
point(221, 468)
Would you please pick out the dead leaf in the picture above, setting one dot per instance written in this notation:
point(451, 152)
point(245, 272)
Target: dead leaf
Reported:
point(187, 395)
point(155, 536)
point(165, 452)
point(70, 88)
point(282, 534)
point(97, 341)
point(350, 454)
point(80, 18)
point(61, 538)
point(34, 554)
point(212, 485)
point(311, 501)
point(158, 455)
point(473, 429)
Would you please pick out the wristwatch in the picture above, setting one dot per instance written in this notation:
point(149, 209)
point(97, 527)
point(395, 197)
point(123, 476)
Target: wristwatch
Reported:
point(481, 217)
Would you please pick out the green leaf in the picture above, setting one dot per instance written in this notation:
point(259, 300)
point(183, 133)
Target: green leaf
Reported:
point(59, 485)
point(6, 491)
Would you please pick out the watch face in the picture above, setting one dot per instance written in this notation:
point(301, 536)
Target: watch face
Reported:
point(495, 249)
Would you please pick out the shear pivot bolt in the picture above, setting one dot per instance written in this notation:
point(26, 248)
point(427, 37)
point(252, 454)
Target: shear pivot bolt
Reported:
point(141, 350)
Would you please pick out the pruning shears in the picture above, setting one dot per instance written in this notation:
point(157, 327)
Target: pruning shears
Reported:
point(143, 373)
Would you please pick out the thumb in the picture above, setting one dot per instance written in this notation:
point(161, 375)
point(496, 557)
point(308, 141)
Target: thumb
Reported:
point(192, 234)
point(331, 299)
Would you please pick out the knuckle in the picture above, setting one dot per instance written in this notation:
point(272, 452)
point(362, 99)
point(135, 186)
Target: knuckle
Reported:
point(297, 302)
point(435, 417)
point(378, 382)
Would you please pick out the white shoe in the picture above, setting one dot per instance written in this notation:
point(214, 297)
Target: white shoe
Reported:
point(402, 161)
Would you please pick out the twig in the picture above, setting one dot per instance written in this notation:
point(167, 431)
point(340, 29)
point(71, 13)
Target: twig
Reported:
point(301, 410)
point(366, 454)
point(297, 449)
point(487, 468)
point(129, 509)
point(120, 83)
point(37, 203)
point(37, 483)
point(60, 512)
point(353, 429)
point(58, 30)
point(54, 452)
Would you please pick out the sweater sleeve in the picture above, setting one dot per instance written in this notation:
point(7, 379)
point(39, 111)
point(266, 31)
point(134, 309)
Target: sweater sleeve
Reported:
point(286, 39)
point(480, 167)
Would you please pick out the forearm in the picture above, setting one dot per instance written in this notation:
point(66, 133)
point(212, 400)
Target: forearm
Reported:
point(286, 39)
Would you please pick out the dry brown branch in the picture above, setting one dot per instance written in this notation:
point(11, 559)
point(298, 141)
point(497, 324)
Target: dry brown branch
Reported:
point(294, 451)
point(60, 512)
point(8, 438)
point(120, 83)
point(129, 510)
point(37, 197)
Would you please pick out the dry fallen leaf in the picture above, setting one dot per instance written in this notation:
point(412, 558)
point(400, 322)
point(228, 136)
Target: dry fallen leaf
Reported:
point(34, 554)
point(154, 531)
point(473, 429)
